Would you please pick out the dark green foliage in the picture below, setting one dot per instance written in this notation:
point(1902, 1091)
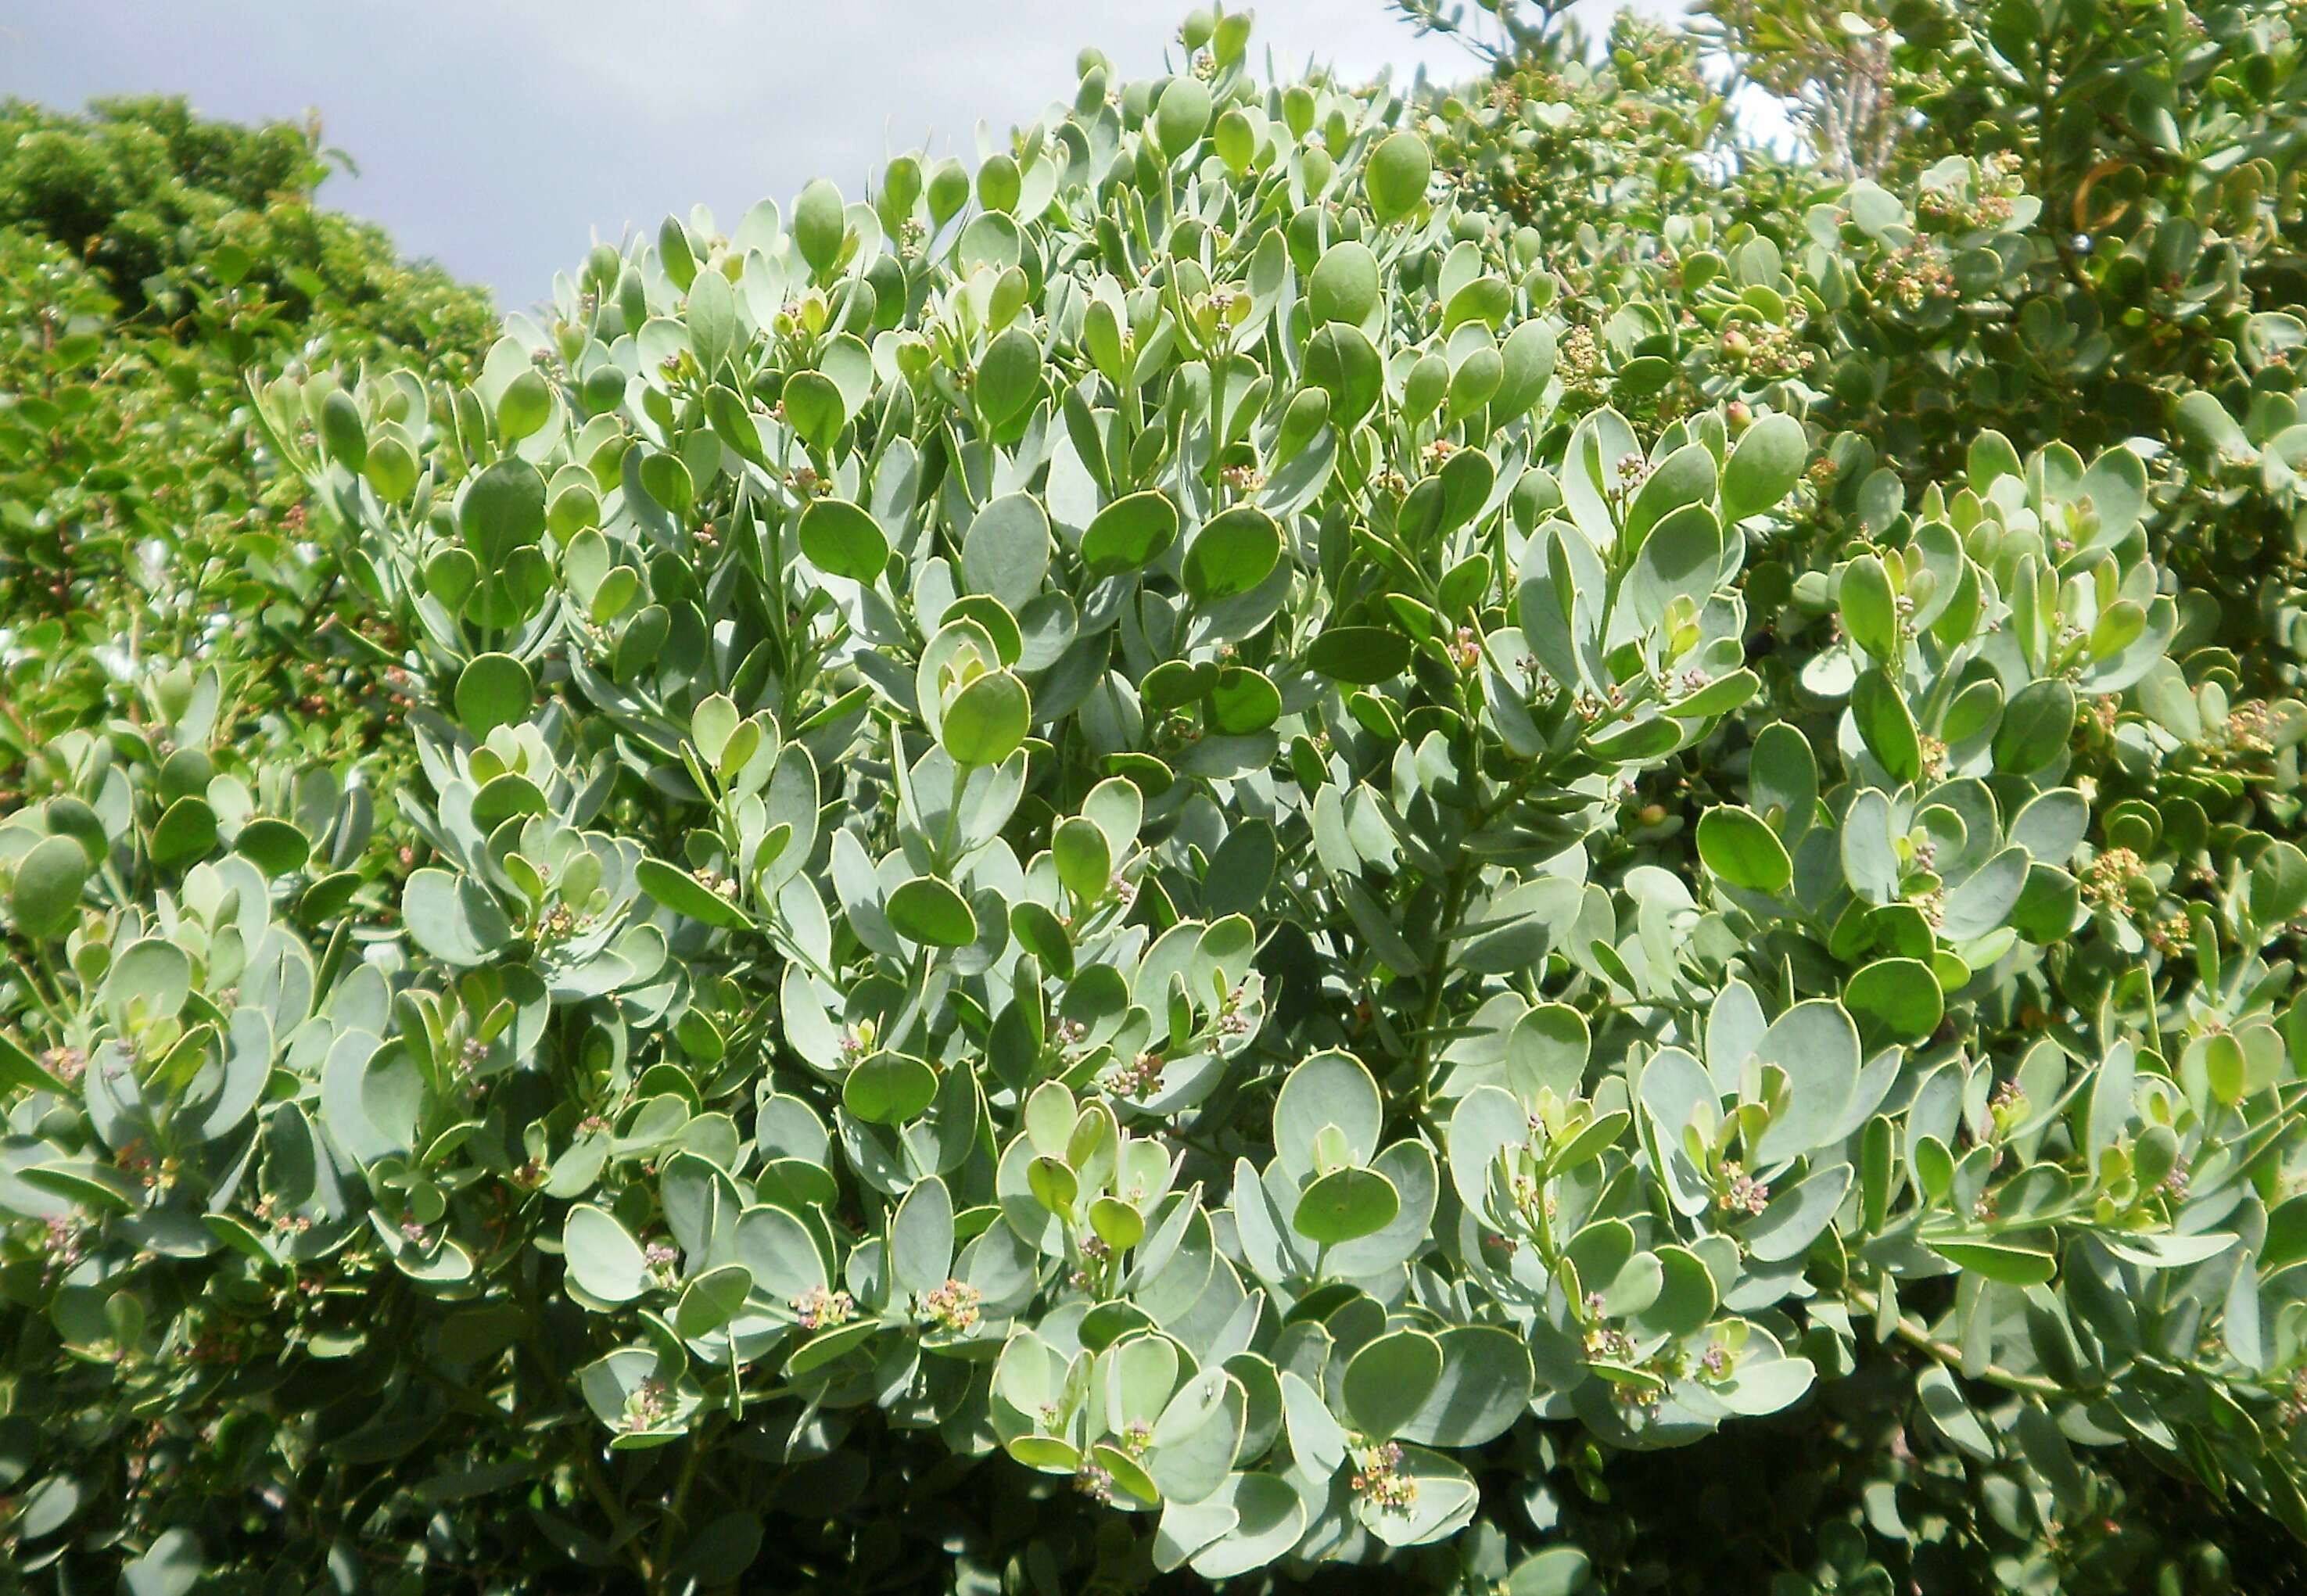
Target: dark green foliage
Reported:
point(149, 261)
point(159, 202)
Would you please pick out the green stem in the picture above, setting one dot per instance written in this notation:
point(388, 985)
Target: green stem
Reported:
point(1950, 1355)
point(1453, 904)
point(588, 1462)
point(662, 1554)
point(32, 983)
point(597, 1483)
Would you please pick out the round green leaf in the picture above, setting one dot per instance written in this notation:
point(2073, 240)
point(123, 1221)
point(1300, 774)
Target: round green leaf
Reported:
point(1042, 934)
point(1869, 609)
point(276, 847)
point(1263, 1518)
point(1529, 354)
point(814, 407)
point(1763, 466)
point(1117, 1224)
point(992, 241)
point(721, 1552)
point(503, 509)
point(1181, 114)
point(1345, 1204)
point(326, 898)
point(1328, 1090)
point(2035, 727)
point(1479, 376)
point(819, 224)
point(684, 894)
point(1006, 551)
point(986, 720)
point(1243, 701)
point(889, 1089)
point(1344, 285)
point(391, 469)
point(843, 539)
point(1817, 1044)
point(186, 830)
point(2278, 883)
point(1485, 1385)
point(1687, 1297)
point(1558, 1570)
point(674, 253)
point(1886, 725)
point(45, 897)
point(1083, 857)
point(342, 430)
point(451, 576)
point(1737, 846)
point(1343, 363)
point(2047, 905)
point(1363, 655)
point(1232, 553)
point(1399, 170)
point(921, 1237)
point(452, 917)
point(988, 612)
point(1389, 1380)
point(1175, 682)
point(1895, 999)
point(526, 403)
point(713, 330)
point(1236, 140)
point(948, 191)
point(1008, 376)
point(1784, 777)
point(999, 182)
point(47, 1507)
point(1129, 533)
point(602, 1257)
point(926, 910)
point(493, 690)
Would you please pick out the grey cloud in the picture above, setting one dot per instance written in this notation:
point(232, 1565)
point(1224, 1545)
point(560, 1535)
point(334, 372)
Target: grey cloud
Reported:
point(501, 137)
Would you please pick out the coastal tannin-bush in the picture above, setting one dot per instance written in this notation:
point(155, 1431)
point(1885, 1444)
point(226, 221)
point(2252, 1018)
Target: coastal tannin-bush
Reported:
point(1175, 866)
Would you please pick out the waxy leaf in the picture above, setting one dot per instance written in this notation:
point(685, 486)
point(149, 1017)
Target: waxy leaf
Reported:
point(926, 910)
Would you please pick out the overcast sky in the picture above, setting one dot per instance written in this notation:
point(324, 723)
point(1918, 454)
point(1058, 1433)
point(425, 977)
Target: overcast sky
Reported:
point(498, 136)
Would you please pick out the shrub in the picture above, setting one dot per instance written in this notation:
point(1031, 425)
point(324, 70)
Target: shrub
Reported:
point(1119, 871)
point(2015, 253)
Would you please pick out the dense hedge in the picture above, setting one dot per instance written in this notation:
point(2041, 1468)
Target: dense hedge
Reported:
point(1453, 832)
